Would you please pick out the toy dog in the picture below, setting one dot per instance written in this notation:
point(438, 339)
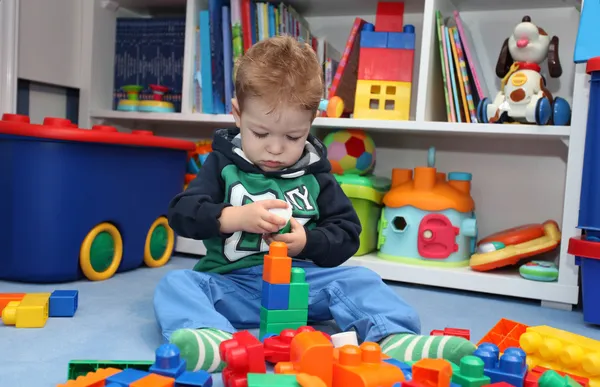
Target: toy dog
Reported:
point(523, 96)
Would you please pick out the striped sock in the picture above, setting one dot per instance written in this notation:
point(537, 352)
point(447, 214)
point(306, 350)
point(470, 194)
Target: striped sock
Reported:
point(200, 348)
point(409, 347)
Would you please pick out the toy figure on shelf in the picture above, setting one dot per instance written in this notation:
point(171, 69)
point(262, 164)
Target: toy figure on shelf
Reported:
point(132, 102)
point(428, 219)
point(523, 96)
point(155, 105)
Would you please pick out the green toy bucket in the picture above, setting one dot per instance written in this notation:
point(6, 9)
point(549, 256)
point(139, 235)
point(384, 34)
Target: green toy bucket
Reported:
point(366, 194)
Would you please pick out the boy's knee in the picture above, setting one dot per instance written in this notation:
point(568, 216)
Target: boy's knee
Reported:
point(364, 274)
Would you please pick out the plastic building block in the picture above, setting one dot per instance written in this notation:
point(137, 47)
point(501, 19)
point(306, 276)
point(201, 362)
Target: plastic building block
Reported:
point(511, 367)
point(299, 289)
point(533, 376)
point(5, 298)
point(153, 380)
point(243, 354)
point(386, 64)
point(504, 334)
point(63, 303)
point(194, 379)
point(406, 368)
point(401, 40)
point(272, 380)
point(389, 16)
point(277, 347)
point(277, 328)
point(168, 361)
point(82, 367)
point(458, 332)
point(344, 338)
point(275, 296)
point(432, 372)
point(552, 378)
point(126, 377)
point(471, 373)
point(310, 353)
point(373, 39)
point(30, 312)
point(562, 351)
point(364, 367)
point(282, 316)
point(92, 379)
point(306, 380)
point(277, 265)
point(383, 100)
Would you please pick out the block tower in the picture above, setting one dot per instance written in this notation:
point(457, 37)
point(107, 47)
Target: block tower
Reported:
point(284, 293)
point(385, 66)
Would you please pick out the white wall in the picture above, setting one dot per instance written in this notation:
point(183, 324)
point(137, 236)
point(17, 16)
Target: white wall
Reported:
point(46, 101)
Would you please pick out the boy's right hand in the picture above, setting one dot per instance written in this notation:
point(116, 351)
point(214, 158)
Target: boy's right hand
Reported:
point(254, 217)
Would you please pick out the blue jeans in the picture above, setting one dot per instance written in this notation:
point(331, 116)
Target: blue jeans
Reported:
point(355, 297)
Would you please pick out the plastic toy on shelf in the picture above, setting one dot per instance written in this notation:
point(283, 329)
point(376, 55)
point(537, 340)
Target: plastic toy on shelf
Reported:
point(586, 248)
point(523, 96)
point(428, 219)
point(155, 105)
point(385, 66)
point(132, 102)
point(508, 247)
point(97, 206)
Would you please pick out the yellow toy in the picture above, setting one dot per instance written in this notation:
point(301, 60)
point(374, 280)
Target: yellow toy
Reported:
point(30, 312)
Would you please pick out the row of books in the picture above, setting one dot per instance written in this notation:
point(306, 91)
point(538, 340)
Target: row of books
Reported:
point(227, 29)
point(461, 71)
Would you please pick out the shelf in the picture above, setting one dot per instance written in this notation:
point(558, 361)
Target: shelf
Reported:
point(375, 125)
point(506, 283)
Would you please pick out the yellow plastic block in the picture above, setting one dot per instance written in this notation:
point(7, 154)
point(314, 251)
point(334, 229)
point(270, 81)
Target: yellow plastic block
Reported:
point(30, 312)
point(382, 100)
point(562, 351)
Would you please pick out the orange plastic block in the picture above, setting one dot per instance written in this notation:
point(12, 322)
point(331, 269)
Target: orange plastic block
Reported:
point(306, 380)
point(92, 379)
point(385, 64)
point(389, 17)
point(310, 353)
point(278, 266)
point(5, 298)
point(432, 372)
point(504, 334)
point(154, 380)
point(364, 367)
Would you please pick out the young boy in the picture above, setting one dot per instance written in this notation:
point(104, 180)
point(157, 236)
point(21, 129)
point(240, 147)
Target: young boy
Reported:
point(270, 161)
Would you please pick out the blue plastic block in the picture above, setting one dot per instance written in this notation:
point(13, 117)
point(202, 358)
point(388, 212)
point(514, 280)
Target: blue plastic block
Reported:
point(275, 296)
point(126, 377)
point(510, 368)
point(63, 303)
point(194, 379)
point(401, 40)
point(372, 39)
point(168, 361)
point(406, 368)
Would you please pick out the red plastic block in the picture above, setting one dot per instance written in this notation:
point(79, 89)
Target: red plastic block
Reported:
point(243, 354)
point(465, 333)
point(385, 64)
point(533, 376)
point(389, 17)
point(500, 384)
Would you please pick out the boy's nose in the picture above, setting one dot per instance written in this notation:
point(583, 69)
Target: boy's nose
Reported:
point(275, 149)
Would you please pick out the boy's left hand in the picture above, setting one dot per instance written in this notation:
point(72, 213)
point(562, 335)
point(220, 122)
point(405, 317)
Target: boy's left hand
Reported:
point(295, 239)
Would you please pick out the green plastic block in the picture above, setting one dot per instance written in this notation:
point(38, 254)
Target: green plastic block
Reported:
point(552, 378)
point(282, 316)
point(298, 290)
point(276, 328)
point(83, 367)
point(471, 373)
point(272, 380)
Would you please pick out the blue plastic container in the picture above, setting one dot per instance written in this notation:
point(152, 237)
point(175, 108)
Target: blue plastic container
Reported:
point(81, 203)
point(587, 248)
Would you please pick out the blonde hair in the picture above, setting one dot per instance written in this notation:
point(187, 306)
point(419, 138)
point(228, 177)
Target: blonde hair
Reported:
point(280, 70)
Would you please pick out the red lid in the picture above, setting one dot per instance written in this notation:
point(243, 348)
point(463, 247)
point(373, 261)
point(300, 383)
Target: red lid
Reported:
point(593, 64)
point(580, 247)
point(64, 129)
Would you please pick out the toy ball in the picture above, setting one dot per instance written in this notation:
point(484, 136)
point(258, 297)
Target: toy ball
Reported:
point(350, 152)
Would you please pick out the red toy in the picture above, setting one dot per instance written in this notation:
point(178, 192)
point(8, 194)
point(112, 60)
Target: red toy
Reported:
point(458, 332)
point(243, 354)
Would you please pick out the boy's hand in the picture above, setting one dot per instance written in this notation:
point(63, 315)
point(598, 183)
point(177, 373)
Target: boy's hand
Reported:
point(295, 239)
point(255, 217)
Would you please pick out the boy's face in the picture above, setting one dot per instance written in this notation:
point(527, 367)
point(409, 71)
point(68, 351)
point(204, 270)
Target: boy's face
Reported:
point(272, 140)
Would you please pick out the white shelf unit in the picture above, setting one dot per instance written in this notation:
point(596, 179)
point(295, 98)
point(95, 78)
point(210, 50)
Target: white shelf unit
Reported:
point(522, 173)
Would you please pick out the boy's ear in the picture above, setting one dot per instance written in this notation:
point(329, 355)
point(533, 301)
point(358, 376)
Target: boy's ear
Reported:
point(235, 110)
